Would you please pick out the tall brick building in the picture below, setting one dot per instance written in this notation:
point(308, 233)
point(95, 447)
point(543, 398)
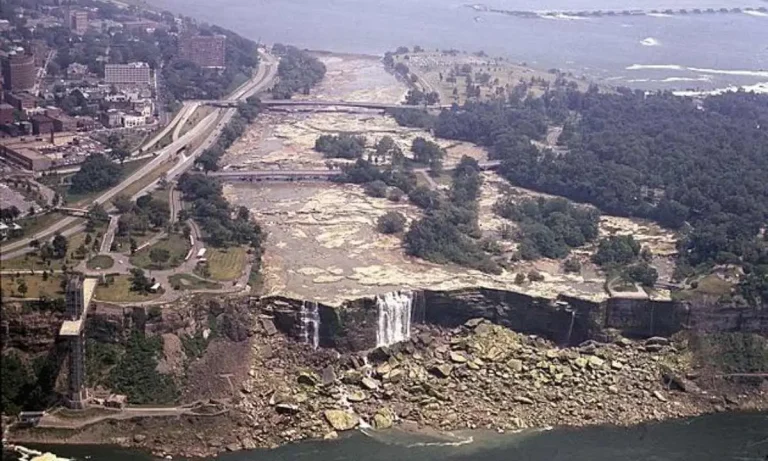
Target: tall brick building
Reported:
point(78, 21)
point(19, 72)
point(204, 50)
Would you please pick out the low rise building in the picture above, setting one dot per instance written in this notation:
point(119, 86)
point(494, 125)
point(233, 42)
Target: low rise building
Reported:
point(21, 101)
point(135, 73)
point(134, 120)
point(42, 124)
point(112, 118)
point(25, 158)
point(86, 123)
point(6, 114)
point(76, 70)
point(63, 122)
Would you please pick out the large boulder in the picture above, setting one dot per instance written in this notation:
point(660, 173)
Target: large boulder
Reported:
point(383, 419)
point(329, 376)
point(340, 420)
point(308, 378)
point(442, 371)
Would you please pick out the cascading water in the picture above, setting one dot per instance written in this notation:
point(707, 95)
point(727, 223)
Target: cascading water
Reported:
point(310, 323)
point(394, 310)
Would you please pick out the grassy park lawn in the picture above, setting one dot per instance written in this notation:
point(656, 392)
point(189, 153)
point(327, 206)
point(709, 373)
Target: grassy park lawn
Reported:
point(100, 262)
point(36, 286)
point(120, 291)
point(84, 200)
point(176, 245)
point(225, 264)
point(190, 282)
point(35, 224)
point(31, 261)
point(709, 285)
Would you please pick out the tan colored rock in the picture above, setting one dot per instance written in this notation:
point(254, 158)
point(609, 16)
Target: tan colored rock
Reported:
point(340, 420)
point(458, 357)
point(442, 371)
point(369, 383)
point(515, 365)
point(383, 369)
point(357, 396)
point(596, 363)
point(383, 419)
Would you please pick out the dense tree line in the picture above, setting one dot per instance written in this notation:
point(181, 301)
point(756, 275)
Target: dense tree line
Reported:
point(298, 71)
point(186, 80)
point(697, 166)
point(142, 215)
point(27, 384)
point(448, 232)
point(221, 224)
point(136, 373)
point(246, 113)
point(549, 227)
point(672, 160)
point(340, 146)
point(96, 173)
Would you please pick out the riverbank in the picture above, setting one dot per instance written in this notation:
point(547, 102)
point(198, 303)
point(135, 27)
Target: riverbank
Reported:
point(479, 376)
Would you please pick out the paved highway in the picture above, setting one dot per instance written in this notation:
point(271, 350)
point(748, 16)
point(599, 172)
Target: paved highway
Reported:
point(261, 81)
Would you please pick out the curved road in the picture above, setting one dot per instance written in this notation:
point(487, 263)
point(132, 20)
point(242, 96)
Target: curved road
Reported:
point(264, 76)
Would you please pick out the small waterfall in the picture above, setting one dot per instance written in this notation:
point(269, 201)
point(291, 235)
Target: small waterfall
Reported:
point(309, 316)
point(394, 310)
point(570, 327)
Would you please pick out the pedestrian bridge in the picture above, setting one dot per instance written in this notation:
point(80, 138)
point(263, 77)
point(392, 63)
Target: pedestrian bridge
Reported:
point(287, 103)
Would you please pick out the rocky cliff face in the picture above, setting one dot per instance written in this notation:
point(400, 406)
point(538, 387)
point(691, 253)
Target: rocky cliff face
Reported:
point(565, 320)
point(30, 331)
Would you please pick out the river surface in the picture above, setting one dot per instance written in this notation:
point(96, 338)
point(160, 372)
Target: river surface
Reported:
point(723, 437)
point(673, 52)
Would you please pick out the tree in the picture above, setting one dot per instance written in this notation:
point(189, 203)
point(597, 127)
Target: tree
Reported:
point(159, 256)
point(395, 195)
point(341, 146)
point(134, 245)
point(384, 146)
point(22, 287)
point(120, 154)
point(376, 188)
point(123, 203)
point(572, 265)
point(392, 222)
point(620, 250)
point(519, 278)
point(139, 281)
point(96, 173)
point(59, 246)
point(426, 152)
point(642, 273)
point(97, 213)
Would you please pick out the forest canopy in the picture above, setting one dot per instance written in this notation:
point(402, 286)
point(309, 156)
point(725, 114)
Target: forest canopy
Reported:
point(699, 166)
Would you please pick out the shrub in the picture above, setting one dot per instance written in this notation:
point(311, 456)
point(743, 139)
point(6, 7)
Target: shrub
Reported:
point(572, 265)
point(535, 276)
point(395, 195)
point(376, 188)
point(392, 222)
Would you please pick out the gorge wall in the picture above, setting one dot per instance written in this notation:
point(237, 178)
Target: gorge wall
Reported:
point(366, 323)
